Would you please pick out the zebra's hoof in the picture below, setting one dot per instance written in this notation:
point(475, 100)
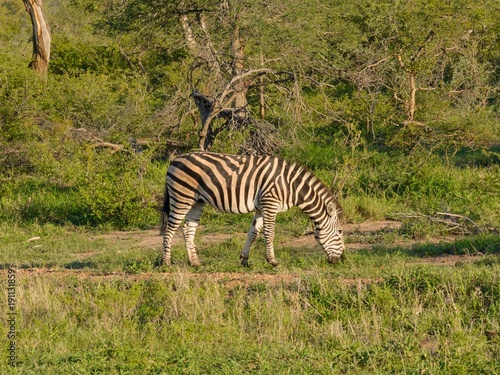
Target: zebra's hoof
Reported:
point(165, 262)
point(195, 263)
point(273, 262)
point(244, 261)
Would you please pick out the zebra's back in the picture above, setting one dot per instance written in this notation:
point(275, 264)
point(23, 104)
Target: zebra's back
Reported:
point(230, 183)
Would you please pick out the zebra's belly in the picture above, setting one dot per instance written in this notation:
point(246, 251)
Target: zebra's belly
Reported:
point(241, 202)
point(249, 206)
point(235, 207)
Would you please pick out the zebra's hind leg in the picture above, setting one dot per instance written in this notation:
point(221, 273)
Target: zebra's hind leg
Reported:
point(253, 233)
point(175, 217)
point(172, 226)
point(189, 230)
point(269, 222)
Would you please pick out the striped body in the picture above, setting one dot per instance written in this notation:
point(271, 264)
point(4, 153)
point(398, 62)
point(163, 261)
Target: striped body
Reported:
point(265, 185)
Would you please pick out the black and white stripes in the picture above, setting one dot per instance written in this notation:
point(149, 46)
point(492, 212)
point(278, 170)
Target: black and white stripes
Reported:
point(265, 185)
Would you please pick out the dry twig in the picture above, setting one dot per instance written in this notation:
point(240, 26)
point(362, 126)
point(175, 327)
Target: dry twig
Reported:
point(453, 222)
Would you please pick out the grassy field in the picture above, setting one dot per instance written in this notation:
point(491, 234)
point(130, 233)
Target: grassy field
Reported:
point(393, 105)
point(89, 303)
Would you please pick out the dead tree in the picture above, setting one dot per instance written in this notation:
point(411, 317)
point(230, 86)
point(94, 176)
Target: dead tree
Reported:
point(41, 37)
point(230, 105)
point(220, 67)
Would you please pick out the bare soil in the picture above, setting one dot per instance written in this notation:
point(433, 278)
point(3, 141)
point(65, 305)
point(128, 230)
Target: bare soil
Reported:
point(151, 238)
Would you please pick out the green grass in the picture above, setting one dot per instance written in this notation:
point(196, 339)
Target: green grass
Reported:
point(90, 301)
point(106, 306)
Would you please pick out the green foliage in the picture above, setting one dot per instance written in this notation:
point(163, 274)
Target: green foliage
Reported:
point(72, 59)
point(94, 188)
point(114, 80)
point(121, 71)
point(114, 190)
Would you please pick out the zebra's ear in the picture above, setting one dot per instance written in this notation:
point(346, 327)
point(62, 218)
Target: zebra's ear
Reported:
point(331, 209)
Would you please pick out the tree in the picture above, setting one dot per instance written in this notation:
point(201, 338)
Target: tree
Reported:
point(397, 69)
point(226, 57)
point(41, 36)
point(223, 68)
point(426, 57)
point(231, 106)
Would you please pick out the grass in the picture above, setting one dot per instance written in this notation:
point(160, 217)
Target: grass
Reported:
point(107, 307)
point(90, 301)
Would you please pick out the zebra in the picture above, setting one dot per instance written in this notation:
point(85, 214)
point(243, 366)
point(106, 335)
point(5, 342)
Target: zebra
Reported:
point(265, 185)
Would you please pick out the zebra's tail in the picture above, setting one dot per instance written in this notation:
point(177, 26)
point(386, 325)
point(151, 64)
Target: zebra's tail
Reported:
point(165, 211)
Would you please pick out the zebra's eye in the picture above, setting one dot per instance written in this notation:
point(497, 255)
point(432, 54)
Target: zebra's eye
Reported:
point(331, 209)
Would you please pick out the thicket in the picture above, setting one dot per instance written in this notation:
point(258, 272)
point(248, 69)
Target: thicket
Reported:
point(393, 104)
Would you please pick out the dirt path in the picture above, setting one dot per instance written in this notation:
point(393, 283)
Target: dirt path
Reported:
point(228, 279)
point(151, 238)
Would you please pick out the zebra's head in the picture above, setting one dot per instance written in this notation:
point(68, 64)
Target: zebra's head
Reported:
point(328, 232)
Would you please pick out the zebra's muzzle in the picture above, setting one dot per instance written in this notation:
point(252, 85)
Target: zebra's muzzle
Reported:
point(336, 259)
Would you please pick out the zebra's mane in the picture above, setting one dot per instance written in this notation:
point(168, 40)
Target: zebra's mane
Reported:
point(308, 172)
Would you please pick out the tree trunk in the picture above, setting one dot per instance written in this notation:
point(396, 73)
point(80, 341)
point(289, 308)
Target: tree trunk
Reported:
point(239, 87)
point(262, 101)
point(41, 37)
point(206, 108)
point(188, 34)
point(412, 105)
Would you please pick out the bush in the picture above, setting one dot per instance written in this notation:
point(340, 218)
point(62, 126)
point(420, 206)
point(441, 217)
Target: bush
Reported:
point(118, 191)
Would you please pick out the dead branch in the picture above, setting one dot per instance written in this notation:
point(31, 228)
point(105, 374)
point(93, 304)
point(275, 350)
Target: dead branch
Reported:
point(455, 217)
point(114, 147)
point(452, 222)
point(147, 142)
point(226, 105)
point(90, 135)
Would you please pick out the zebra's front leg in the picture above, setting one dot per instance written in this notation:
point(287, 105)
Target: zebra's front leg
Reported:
point(189, 231)
point(253, 233)
point(269, 222)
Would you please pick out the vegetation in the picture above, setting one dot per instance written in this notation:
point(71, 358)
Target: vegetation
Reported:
point(395, 108)
point(393, 104)
point(104, 306)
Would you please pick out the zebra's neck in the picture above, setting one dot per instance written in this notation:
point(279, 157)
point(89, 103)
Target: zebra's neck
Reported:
point(309, 193)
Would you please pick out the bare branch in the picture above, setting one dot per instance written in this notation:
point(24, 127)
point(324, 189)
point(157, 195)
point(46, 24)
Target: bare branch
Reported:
point(454, 222)
point(114, 147)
